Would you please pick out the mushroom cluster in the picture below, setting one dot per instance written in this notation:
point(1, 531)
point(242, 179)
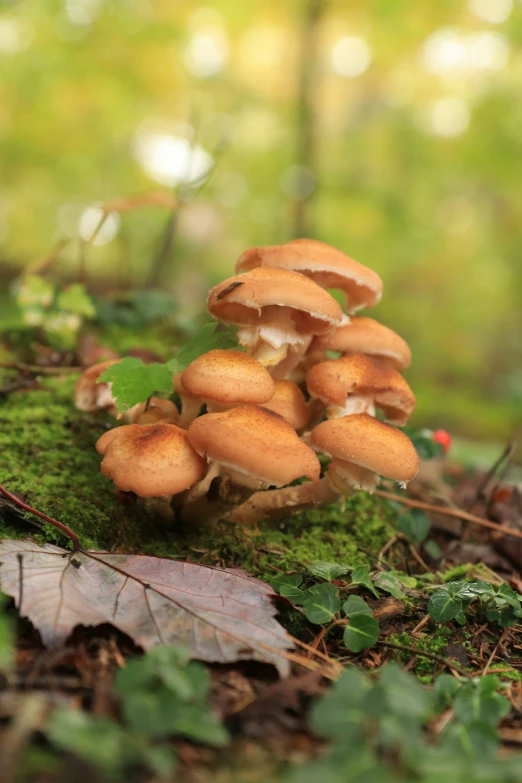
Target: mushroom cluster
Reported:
point(253, 420)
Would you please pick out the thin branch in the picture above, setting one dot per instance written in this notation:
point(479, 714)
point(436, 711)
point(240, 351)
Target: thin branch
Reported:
point(432, 656)
point(17, 502)
point(449, 512)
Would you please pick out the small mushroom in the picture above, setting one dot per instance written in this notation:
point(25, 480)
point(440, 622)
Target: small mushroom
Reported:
point(223, 380)
point(363, 448)
point(365, 336)
point(359, 384)
point(154, 410)
point(90, 396)
point(326, 265)
point(255, 447)
point(151, 460)
point(278, 311)
point(289, 402)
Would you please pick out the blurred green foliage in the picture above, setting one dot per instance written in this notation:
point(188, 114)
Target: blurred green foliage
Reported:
point(403, 152)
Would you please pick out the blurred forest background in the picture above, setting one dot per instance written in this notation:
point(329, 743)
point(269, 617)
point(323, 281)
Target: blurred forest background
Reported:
point(389, 128)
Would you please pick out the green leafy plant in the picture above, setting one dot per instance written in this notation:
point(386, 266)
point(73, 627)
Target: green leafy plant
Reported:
point(501, 605)
point(163, 695)
point(133, 381)
point(135, 308)
point(321, 603)
point(380, 730)
point(58, 312)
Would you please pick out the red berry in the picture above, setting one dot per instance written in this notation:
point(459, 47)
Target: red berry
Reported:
point(442, 437)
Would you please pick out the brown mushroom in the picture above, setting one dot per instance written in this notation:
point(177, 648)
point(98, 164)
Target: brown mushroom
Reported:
point(278, 311)
point(363, 448)
point(359, 384)
point(150, 460)
point(326, 265)
point(154, 410)
point(225, 379)
point(366, 336)
point(289, 402)
point(90, 396)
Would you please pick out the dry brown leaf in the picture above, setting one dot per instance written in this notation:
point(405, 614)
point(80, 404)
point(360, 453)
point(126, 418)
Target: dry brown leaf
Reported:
point(220, 615)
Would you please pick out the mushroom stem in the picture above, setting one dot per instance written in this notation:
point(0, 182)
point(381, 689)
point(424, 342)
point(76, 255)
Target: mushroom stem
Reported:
point(190, 408)
point(288, 500)
point(224, 495)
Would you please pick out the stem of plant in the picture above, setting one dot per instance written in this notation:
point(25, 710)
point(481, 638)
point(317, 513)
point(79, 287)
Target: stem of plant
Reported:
point(17, 502)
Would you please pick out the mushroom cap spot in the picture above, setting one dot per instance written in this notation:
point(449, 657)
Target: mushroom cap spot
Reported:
point(289, 402)
point(150, 459)
point(364, 335)
point(88, 393)
point(332, 381)
point(323, 263)
point(228, 377)
point(311, 308)
point(254, 441)
point(365, 441)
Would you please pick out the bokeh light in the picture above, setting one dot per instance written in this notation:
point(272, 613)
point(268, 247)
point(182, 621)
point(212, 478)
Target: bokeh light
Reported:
point(350, 56)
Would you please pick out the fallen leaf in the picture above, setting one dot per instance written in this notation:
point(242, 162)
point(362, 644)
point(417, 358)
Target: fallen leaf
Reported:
point(220, 615)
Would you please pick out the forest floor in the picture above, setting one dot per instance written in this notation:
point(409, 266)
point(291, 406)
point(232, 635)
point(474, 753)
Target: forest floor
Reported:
point(443, 590)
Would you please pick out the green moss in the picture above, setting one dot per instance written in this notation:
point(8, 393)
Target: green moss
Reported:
point(48, 456)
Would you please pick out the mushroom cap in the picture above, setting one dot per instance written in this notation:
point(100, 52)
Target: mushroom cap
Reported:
point(241, 299)
point(326, 265)
point(364, 335)
point(150, 459)
point(332, 381)
point(255, 442)
point(289, 402)
point(90, 396)
point(227, 377)
point(369, 443)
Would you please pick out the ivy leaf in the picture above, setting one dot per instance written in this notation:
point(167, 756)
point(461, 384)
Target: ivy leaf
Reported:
point(390, 584)
point(75, 299)
point(163, 695)
point(361, 576)
point(287, 585)
point(209, 338)
point(321, 603)
point(354, 604)
point(134, 382)
point(509, 595)
point(362, 632)
point(414, 524)
point(477, 589)
point(328, 571)
point(503, 616)
point(443, 606)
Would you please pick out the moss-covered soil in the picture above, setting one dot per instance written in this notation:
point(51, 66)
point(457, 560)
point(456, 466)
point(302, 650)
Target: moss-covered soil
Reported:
point(48, 457)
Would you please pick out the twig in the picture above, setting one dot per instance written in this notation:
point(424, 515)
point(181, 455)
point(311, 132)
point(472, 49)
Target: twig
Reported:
point(420, 625)
point(41, 265)
point(492, 656)
point(72, 536)
point(432, 656)
point(449, 512)
point(506, 456)
point(41, 369)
